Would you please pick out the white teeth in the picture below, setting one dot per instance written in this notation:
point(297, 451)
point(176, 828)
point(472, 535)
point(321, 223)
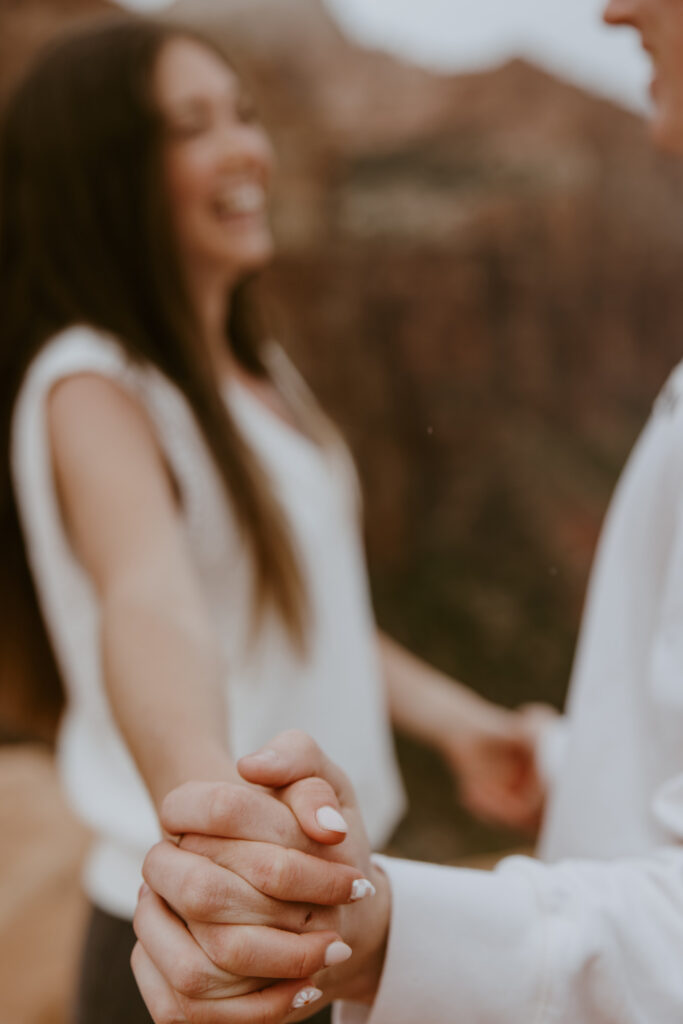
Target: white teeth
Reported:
point(246, 198)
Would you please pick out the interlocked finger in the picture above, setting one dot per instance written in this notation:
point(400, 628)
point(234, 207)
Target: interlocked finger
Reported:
point(199, 890)
point(157, 994)
point(232, 811)
point(181, 961)
point(271, 1005)
point(278, 872)
point(255, 951)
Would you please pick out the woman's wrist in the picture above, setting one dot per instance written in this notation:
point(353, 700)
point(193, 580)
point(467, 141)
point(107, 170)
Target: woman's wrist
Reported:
point(207, 762)
point(455, 714)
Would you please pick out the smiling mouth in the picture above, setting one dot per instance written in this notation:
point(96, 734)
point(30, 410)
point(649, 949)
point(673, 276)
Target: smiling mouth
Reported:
point(241, 200)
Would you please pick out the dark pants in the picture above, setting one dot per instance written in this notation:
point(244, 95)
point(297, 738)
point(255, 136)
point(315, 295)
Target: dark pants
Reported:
point(107, 993)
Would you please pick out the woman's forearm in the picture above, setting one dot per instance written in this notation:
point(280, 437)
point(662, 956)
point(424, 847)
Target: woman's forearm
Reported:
point(163, 676)
point(159, 656)
point(423, 702)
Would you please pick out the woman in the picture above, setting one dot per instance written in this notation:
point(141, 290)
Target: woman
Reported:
point(190, 516)
point(592, 936)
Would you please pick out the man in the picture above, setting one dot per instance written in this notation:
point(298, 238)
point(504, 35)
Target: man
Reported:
point(592, 934)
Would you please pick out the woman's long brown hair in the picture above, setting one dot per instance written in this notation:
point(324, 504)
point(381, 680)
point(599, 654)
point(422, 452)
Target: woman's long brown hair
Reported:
point(86, 238)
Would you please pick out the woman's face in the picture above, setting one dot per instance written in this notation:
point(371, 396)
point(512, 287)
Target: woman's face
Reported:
point(218, 163)
point(660, 25)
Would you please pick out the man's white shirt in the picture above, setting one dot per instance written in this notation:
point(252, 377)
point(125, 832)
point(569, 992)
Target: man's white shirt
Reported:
point(593, 932)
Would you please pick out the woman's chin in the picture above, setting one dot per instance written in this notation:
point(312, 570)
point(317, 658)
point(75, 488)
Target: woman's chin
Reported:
point(249, 260)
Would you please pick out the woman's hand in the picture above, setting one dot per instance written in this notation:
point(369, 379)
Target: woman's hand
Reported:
point(490, 750)
point(492, 754)
point(255, 895)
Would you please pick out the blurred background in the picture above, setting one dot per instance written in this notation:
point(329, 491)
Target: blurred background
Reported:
point(479, 274)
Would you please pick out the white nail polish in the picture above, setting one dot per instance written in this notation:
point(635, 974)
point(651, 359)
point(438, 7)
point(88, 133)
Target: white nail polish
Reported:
point(361, 888)
point(331, 820)
point(337, 953)
point(305, 997)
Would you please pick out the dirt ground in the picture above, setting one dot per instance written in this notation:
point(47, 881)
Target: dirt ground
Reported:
point(41, 907)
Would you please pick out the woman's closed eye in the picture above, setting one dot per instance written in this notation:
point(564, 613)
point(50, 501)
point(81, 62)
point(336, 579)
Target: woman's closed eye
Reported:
point(198, 120)
point(187, 129)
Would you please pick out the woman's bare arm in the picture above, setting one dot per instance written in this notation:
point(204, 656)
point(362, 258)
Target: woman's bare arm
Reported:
point(161, 659)
point(490, 750)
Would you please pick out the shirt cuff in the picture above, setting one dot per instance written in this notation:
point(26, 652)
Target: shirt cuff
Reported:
point(463, 945)
point(551, 750)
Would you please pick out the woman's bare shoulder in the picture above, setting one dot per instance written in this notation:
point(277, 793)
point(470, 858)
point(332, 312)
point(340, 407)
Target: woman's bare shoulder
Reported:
point(111, 477)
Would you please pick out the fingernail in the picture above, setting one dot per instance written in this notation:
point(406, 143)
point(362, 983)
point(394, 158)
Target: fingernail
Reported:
point(266, 756)
point(144, 888)
point(331, 820)
point(337, 953)
point(361, 888)
point(305, 997)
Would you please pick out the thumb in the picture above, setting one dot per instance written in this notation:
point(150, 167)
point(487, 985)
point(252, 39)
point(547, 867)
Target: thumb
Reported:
point(311, 785)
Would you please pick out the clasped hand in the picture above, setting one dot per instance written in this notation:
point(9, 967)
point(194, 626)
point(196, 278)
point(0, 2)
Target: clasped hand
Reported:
point(269, 906)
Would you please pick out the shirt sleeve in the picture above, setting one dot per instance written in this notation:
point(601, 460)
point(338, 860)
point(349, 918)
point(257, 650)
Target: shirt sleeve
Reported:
point(551, 750)
point(579, 942)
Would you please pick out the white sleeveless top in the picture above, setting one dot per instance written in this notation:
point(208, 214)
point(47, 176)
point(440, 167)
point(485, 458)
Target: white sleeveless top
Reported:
point(335, 693)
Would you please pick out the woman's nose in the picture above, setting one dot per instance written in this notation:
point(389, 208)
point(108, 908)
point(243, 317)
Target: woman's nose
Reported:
point(621, 12)
point(249, 145)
